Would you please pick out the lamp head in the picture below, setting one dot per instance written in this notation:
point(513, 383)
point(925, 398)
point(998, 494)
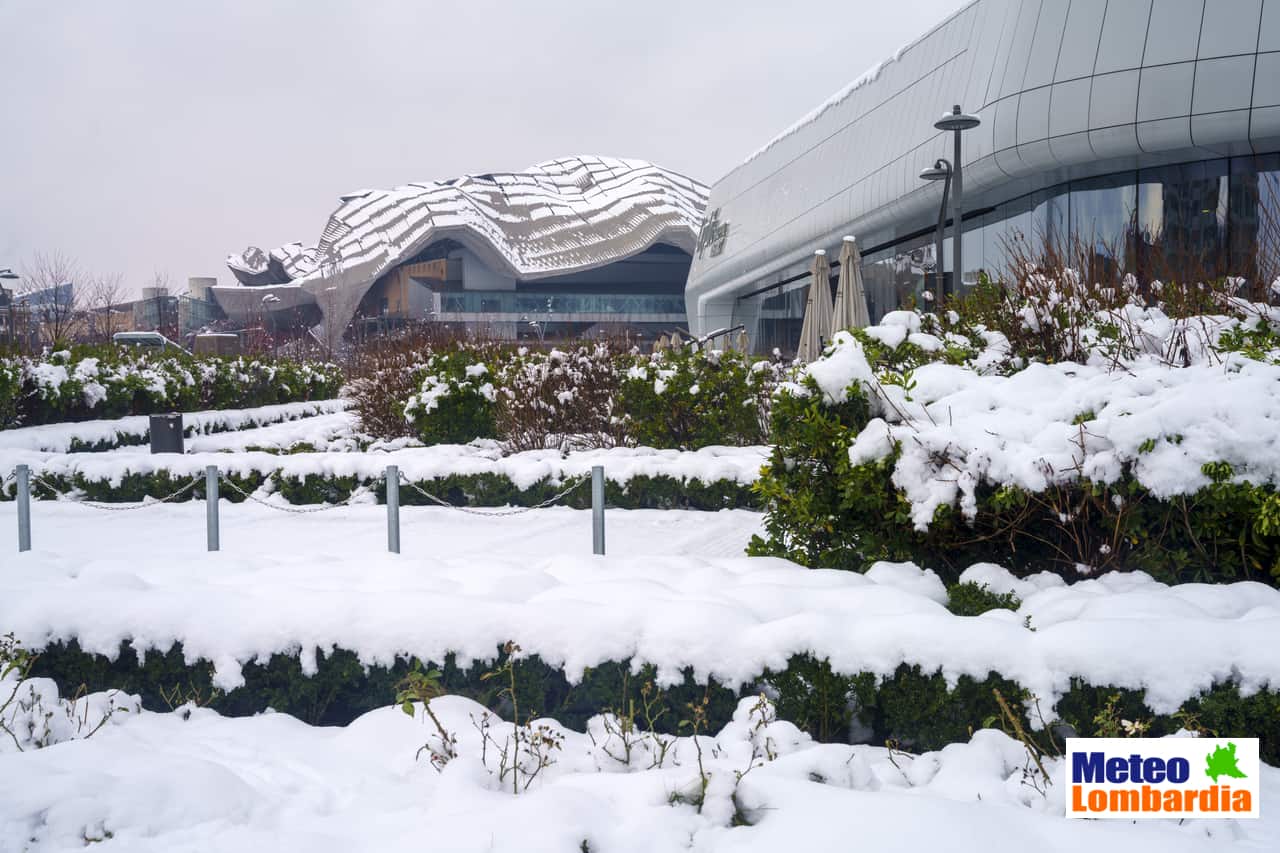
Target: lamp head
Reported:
point(957, 120)
point(940, 171)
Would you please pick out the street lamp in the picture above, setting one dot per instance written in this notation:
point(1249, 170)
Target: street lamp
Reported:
point(941, 171)
point(957, 122)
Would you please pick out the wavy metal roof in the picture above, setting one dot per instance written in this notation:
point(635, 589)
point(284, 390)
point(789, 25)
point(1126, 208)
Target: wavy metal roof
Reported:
point(561, 216)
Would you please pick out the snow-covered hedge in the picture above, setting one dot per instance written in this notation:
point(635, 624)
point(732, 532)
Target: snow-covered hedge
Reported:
point(689, 398)
point(683, 397)
point(111, 434)
point(922, 439)
point(845, 656)
point(477, 474)
point(102, 382)
point(454, 403)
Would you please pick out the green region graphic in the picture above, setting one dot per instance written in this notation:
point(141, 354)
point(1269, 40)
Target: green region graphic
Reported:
point(1222, 762)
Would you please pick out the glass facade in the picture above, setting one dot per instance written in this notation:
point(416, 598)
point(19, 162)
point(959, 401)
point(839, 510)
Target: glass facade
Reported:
point(1198, 220)
point(534, 302)
point(1203, 219)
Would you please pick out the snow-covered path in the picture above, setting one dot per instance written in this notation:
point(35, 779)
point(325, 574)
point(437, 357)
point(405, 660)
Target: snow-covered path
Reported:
point(66, 532)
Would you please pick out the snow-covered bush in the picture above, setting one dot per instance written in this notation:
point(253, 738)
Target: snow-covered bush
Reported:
point(105, 382)
point(33, 713)
point(455, 397)
point(559, 399)
point(940, 440)
point(686, 397)
point(590, 396)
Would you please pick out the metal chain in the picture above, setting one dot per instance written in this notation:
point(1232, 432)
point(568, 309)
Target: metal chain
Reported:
point(291, 509)
point(498, 512)
point(116, 507)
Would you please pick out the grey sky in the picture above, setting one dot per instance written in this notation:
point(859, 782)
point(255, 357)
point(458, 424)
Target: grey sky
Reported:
point(155, 135)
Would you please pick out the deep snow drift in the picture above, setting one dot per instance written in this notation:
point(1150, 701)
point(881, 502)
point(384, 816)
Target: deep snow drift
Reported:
point(191, 780)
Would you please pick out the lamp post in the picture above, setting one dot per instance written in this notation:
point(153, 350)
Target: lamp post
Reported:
point(9, 324)
point(957, 122)
point(941, 171)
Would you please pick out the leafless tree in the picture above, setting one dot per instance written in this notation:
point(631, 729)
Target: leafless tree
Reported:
point(52, 307)
point(106, 295)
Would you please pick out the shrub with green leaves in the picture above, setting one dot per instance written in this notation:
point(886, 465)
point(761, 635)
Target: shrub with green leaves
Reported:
point(877, 470)
point(91, 382)
point(455, 400)
point(687, 398)
point(917, 709)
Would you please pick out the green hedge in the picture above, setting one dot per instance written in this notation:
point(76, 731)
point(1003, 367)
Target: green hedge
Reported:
point(683, 397)
point(914, 708)
point(472, 490)
point(822, 510)
point(85, 383)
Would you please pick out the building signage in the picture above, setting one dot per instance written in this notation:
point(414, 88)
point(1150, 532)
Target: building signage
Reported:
point(713, 234)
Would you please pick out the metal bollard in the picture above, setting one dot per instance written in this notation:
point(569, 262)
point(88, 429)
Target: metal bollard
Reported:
point(393, 509)
point(211, 504)
point(597, 509)
point(24, 507)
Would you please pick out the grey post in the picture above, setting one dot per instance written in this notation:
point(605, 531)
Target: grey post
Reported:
point(597, 509)
point(24, 508)
point(211, 504)
point(393, 509)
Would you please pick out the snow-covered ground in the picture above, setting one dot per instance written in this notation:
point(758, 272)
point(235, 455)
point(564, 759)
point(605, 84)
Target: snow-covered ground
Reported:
point(191, 780)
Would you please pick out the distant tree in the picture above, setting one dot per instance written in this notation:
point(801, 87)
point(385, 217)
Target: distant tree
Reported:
point(48, 291)
point(106, 294)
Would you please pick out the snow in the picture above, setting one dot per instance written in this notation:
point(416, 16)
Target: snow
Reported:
point(58, 438)
point(1050, 424)
point(668, 594)
point(191, 780)
point(843, 363)
point(621, 464)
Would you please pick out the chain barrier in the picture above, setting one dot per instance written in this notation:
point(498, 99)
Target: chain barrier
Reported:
point(295, 510)
point(497, 513)
point(108, 507)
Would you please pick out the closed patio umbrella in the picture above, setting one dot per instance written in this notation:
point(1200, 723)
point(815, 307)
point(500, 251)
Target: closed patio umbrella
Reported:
point(816, 330)
point(850, 309)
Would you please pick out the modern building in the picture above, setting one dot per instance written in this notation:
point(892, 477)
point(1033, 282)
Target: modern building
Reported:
point(563, 249)
point(1147, 128)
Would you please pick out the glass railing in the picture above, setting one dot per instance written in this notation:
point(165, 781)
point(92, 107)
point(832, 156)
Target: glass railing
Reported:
point(540, 304)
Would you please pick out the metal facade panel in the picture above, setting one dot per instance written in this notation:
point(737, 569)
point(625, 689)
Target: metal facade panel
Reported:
point(1224, 133)
point(1165, 91)
point(1171, 37)
point(1070, 107)
point(1223, 84)
point(1228, 28)
point(1264, 128)
point(1118, 141)
point(1113, 99)
point(1020, 48)
point(1169, 134)
point(1080, 36)
point(1124, 32)
point(1266, 80)
point(1046, 44)
point(1269, 28)
point(1033, 115)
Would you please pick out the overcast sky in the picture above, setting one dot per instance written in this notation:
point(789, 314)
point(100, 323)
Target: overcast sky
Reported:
point(152, 135)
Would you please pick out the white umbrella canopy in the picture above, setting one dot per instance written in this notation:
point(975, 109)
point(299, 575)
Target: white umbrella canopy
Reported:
point(816, 330)
point(850, 309)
